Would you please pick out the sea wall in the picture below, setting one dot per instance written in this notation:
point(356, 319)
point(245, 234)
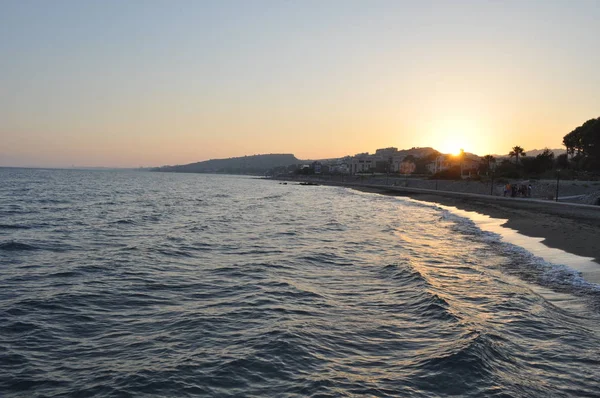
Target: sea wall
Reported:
point(541, 189)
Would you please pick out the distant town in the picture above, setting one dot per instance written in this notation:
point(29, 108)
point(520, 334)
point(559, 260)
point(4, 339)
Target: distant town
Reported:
point(415, 161)
point(420, 161)
point(579, 159)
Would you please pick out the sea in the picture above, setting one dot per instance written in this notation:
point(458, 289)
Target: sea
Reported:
point(131, 283)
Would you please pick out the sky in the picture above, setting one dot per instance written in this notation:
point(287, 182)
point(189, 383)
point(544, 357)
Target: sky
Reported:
point(149, 83)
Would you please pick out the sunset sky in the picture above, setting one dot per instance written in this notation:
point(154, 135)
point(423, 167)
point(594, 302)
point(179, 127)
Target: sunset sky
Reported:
point(148, 83)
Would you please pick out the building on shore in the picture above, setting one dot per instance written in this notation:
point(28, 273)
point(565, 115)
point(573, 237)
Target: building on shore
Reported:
point(467, 162)
point(388, 160)
point(441, 163)
point(339, 168)
point(362, 163)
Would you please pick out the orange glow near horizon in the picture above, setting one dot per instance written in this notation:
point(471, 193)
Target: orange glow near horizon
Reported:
point(317, 82)
point(452, 136)
point(450, 149)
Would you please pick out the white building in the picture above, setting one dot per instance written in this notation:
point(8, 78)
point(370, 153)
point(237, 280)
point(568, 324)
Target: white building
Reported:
point(362, 163)
point(339, 168)
point(388, 160)
point(441, 163)
point(467, 162)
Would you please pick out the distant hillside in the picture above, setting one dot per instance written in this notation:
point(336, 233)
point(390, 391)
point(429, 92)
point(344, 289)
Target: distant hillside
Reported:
point(256, 164)
point(419, 152)
point(535, 152)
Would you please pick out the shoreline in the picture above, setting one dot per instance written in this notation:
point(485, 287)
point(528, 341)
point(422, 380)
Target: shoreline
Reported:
point(575, 229)
point(569, 227)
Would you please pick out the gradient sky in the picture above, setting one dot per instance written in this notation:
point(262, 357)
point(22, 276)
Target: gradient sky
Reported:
point(146, 83)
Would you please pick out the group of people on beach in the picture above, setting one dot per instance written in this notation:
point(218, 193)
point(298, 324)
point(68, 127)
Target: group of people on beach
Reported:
point(522, 190)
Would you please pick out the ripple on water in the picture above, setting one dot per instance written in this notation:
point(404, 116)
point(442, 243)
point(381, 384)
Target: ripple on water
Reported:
point(17, 246)
point(191, 285)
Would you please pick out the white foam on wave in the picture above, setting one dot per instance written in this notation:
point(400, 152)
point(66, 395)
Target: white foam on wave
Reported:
point(559, 277)
point(586, 266)
point(558, 266)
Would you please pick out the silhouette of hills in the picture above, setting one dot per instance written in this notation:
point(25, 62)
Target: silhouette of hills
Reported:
point(260, 164)
point(255, 164)
point(535, 152)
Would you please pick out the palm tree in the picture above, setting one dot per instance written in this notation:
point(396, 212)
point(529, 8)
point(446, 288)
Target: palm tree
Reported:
point(517, 152)
point(489, 160)
point(461, 158)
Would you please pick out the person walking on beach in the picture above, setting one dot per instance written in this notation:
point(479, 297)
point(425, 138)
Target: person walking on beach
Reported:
point(506, 189)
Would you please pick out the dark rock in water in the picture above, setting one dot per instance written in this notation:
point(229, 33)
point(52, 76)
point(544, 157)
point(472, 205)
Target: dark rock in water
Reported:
point(308, 183)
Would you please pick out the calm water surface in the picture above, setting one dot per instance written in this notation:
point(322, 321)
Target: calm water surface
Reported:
point(142, 284)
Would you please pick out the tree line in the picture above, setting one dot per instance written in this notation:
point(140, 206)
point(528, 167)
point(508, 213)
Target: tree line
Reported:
point(582, 157)
point(583, 146)
point(582, 160)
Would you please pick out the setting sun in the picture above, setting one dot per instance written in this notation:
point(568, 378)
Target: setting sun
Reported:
point(451, 135)
point(453, 151)
point(450, 146)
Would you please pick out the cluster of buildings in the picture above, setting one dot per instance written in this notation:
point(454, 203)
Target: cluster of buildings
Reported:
point(392, 160)
point(469, 163)
point(388, 160)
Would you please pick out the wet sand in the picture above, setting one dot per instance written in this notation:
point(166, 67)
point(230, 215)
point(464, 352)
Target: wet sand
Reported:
point(574, 229)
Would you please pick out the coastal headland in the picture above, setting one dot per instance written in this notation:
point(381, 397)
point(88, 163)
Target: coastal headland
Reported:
point(574, 228)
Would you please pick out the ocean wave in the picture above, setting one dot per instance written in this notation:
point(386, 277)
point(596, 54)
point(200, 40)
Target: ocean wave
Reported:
point(257, 251)
point(173, 252)
point(557, 277)
point(64, 274)
point(324, 258)
point(53, 201)
point(273, 197)
point(286, 290)
point(324, 293)
point(18, 212)
point(124, 221)
point(404, 274)
point(527, 266)
point(468, 364)
point(14, 226)
point(17, 246)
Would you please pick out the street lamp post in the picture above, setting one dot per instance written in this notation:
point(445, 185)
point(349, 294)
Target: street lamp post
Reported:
point(387, 175)
point(557, 181)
